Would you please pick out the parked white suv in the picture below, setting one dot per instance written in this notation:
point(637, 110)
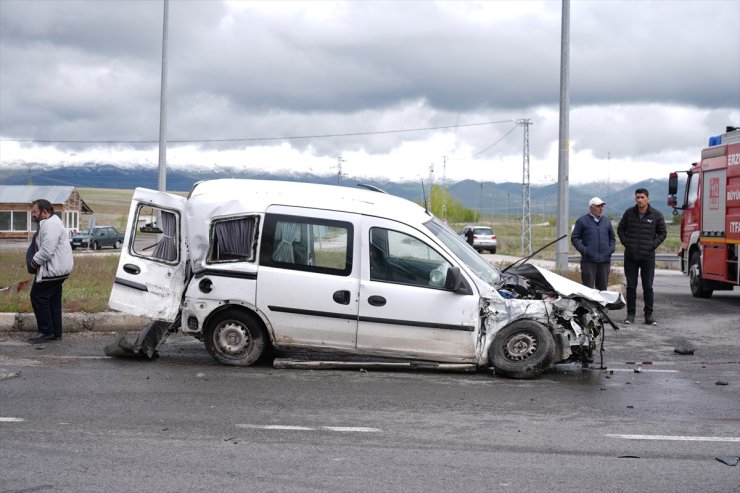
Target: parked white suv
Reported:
point(483, 238)
point(248, 265)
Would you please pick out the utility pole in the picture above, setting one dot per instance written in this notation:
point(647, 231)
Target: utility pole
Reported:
point(444, 187)
point(431, 186)
point(508, 197)
point(561, 249)
point(162, 182)
point(526, 229)
point(340, 160)
point(608, 175)
point(493, 206)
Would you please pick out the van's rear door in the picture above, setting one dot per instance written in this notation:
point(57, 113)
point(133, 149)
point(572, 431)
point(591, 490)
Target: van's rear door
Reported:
point(151, 272)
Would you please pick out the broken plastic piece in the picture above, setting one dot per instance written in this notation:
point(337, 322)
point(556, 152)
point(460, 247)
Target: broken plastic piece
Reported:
point(684, 350)
point(730, 460)
point(149, 339)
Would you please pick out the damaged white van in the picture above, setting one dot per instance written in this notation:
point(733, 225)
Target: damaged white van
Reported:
point(251, 267)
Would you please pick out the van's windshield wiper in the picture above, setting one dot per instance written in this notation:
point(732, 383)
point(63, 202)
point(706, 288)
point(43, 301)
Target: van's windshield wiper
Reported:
point(525, 259)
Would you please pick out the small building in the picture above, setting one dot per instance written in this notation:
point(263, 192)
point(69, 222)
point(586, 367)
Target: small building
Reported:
point(16, 202)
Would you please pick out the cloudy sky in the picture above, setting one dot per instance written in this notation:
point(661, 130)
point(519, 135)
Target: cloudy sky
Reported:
point(393, 88)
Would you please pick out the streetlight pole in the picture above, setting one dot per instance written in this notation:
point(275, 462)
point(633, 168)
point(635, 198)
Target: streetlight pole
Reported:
point(162, 183)
point(561, 250)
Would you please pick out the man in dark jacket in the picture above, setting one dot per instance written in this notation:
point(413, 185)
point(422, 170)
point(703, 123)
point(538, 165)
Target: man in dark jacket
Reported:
point(641, 230)
point(593, 237)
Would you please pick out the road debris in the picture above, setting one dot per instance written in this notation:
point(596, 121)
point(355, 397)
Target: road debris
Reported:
point(685, 350)
point(7, 375)
point(730, 460)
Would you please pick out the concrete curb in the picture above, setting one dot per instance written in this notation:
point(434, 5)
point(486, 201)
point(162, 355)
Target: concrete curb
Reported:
point(75, 322)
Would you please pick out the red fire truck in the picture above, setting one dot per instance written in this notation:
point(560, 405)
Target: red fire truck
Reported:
point(710, 222)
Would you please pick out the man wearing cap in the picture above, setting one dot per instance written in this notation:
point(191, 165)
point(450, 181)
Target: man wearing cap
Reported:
point(593, 237)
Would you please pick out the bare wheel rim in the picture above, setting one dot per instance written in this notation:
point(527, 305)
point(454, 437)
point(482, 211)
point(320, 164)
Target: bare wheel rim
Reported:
point(520, 346)
point(232, 339)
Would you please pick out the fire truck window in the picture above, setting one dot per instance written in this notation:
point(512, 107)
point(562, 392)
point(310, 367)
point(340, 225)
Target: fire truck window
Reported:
point(693, 190)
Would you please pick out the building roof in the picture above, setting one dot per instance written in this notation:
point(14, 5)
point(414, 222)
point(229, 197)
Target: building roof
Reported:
point(26, 194)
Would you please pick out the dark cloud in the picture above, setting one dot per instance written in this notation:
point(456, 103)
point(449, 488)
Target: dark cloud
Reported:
point(91, 70)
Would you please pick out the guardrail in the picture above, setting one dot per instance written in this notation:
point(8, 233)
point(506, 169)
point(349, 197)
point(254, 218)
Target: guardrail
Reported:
point(659, 257)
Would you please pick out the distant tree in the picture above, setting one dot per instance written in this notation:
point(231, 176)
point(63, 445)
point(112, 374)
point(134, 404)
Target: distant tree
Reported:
point(454, 213)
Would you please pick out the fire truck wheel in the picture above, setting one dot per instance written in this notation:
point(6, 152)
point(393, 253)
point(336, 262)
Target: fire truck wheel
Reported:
point(695, 280)
point(235, 338)
point(523, 349)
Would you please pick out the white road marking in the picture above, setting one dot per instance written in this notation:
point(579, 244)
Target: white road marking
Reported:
point(10, 420)
point(358, 429)
point(277, 427)
point(679, 438)
point(355, 429)
point(643, 370)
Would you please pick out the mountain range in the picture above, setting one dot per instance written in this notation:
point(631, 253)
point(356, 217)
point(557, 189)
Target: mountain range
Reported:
point(501, 198)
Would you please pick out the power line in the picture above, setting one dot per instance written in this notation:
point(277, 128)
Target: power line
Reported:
point(488, 147)
point(258, 139)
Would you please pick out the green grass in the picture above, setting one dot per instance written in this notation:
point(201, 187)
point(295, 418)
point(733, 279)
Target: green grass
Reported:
point(110, 206)
point(86, 290)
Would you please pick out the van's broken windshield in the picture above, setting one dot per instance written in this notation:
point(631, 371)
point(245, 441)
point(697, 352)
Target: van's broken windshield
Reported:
point(467, 255)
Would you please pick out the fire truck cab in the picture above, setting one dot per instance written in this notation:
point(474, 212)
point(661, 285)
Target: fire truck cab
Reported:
point(710, 222)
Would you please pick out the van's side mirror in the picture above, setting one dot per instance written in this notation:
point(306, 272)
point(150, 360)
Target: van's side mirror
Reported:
point(456, 283)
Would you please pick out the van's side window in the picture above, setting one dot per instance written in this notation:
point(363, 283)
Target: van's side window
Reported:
point(398, 257)
point(309, 244)
point(233, 239)
point(156, 234)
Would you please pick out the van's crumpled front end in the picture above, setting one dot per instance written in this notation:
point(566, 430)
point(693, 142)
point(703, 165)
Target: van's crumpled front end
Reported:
point(536, 318)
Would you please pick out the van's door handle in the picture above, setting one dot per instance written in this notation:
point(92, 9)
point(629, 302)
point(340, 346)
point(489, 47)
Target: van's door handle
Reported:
point(131, 269)
point(342, 297)
point(376, 300)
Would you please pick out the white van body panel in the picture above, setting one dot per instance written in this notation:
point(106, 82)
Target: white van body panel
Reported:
point(423, 322)
point(300, 305)
point(147, 286)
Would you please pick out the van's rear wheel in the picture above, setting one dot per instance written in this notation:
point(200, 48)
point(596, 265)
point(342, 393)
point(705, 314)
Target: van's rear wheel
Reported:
point(235, 338)
point(523, 349)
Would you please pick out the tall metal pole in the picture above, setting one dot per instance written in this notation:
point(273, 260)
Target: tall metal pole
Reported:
point(526, 228)
point(561, 250)
point(162, 182)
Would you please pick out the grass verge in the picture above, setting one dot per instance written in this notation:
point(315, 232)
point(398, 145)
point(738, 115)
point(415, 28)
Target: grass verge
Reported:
point(87, 289)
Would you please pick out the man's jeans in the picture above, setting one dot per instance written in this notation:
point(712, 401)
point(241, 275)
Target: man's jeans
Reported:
point(46, 299)
point(646, 268)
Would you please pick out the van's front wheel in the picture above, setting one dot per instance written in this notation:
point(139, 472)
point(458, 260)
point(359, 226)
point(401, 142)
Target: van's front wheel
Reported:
point(235, 338)
point(523, 349)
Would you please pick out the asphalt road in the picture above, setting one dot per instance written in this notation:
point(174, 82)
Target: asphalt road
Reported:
point(74, 420)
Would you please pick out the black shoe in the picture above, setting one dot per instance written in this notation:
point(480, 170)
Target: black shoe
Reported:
point(649, 320)
point(56, 338)
point(630, 319)
point(39, 337)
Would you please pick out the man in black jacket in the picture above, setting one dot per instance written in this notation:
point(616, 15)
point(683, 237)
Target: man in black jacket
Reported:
point(641, 230)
